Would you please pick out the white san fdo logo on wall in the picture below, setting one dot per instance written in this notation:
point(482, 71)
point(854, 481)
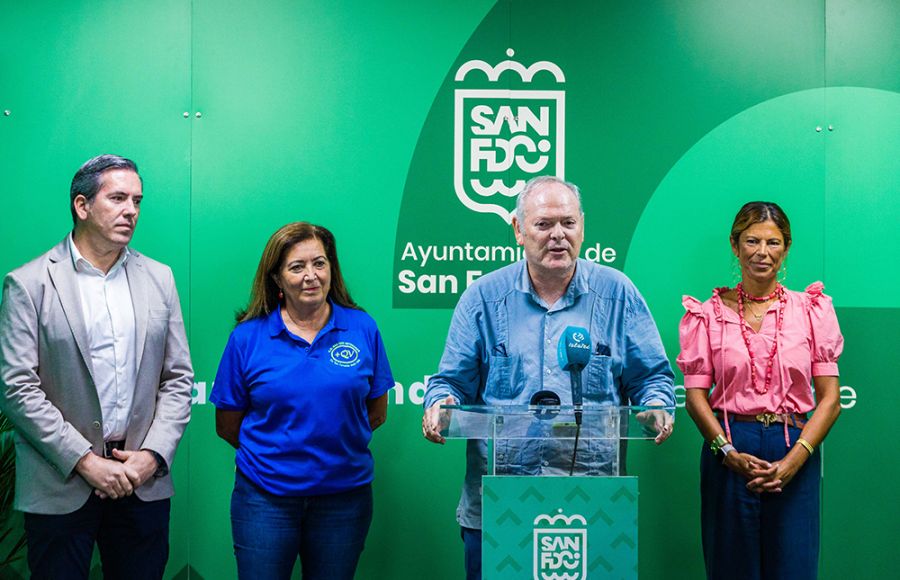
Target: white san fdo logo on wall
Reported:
point(560, 547)
point(344, 354)
point(503, 136)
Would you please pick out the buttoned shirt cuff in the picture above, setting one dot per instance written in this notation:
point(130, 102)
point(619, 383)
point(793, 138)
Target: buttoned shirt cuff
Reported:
point(436, 395)
point(825, 369)
point(698, 381)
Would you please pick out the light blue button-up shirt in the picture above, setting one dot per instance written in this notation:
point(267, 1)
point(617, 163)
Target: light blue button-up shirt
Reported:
point(501, 349)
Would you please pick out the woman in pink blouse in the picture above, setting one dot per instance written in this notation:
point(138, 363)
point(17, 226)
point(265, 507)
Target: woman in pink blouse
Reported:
point(760, 346)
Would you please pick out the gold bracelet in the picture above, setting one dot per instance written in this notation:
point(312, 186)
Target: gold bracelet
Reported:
point(806, 445)
point(717, 443)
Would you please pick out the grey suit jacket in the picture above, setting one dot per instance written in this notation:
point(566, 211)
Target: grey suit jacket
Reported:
point(48, 391)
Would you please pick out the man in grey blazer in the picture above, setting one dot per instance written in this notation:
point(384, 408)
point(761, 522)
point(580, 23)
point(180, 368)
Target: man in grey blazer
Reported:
point(96, 377)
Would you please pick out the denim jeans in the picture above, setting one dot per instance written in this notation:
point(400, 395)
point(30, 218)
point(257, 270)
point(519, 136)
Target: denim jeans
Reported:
point(327, 532)
point(749, 536)
point(472, 548)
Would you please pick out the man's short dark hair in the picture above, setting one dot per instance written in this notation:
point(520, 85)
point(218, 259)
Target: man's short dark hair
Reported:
point(87, 179)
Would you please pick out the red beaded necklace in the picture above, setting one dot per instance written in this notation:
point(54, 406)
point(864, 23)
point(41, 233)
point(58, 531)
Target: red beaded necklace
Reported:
point(778, 294)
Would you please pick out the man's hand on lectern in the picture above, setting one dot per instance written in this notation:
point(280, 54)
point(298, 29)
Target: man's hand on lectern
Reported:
point(436, 420)
point(657, 421)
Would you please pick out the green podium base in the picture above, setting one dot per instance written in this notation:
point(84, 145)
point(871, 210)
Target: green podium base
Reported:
point(559, 528)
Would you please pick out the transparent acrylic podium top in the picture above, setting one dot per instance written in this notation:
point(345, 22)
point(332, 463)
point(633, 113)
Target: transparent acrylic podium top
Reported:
point(546, 440)
point(552, 422)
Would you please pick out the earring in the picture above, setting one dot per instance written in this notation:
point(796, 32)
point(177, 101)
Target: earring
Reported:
point(735, 271)
point(280, 295)
point(782, 272)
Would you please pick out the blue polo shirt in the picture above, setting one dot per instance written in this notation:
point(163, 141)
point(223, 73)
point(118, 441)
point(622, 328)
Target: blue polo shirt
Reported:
point(306, 429)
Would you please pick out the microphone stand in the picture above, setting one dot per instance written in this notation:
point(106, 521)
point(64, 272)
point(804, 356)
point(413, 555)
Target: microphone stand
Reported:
point(576, 399)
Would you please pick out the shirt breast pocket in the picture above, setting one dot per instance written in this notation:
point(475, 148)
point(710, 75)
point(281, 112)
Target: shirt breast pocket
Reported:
point(599, 377)
point(502, 381)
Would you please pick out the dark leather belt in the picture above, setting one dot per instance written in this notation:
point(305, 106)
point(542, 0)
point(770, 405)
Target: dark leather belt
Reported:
point(792, 419)
point(108, 447)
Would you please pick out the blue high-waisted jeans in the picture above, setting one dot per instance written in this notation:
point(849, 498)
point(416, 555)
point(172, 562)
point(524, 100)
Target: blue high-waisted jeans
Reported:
point(327, 532)
point(748, 536)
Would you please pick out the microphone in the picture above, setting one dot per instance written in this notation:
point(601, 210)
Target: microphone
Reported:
point(545, 404)
point(573, 354)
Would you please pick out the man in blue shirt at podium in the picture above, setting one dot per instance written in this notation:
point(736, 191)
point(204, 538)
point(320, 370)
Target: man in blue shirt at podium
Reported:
point(501, 347)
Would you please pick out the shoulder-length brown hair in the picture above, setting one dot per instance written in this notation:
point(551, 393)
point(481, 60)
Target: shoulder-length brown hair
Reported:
point(264, 292)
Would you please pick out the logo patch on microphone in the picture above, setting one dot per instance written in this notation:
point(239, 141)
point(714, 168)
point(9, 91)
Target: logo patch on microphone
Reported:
point(344, 354)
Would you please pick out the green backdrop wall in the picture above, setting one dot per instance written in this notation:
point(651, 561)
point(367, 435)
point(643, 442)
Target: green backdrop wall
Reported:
point(668, 114)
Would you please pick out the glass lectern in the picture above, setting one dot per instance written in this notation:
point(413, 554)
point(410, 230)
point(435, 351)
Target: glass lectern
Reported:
point(555, 501)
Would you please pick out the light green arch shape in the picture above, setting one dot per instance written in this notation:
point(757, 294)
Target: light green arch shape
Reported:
point(840, 188)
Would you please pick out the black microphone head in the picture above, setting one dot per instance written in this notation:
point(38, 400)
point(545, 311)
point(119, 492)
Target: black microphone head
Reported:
point(574, 350)
point(545, 398)
point(546, 404)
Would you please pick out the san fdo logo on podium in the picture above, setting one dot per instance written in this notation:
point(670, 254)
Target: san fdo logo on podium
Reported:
point(560, 547)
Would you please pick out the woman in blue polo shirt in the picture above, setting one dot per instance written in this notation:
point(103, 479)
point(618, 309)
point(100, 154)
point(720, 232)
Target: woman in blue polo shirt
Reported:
point(301, 386)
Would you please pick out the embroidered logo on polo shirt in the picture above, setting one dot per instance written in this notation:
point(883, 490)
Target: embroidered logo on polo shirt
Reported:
point(344, 354)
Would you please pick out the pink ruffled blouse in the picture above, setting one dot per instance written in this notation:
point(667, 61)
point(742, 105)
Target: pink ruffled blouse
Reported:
point(713, 352)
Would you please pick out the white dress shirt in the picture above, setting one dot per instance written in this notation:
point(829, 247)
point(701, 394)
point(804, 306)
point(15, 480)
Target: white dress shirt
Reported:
point(109, 320)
